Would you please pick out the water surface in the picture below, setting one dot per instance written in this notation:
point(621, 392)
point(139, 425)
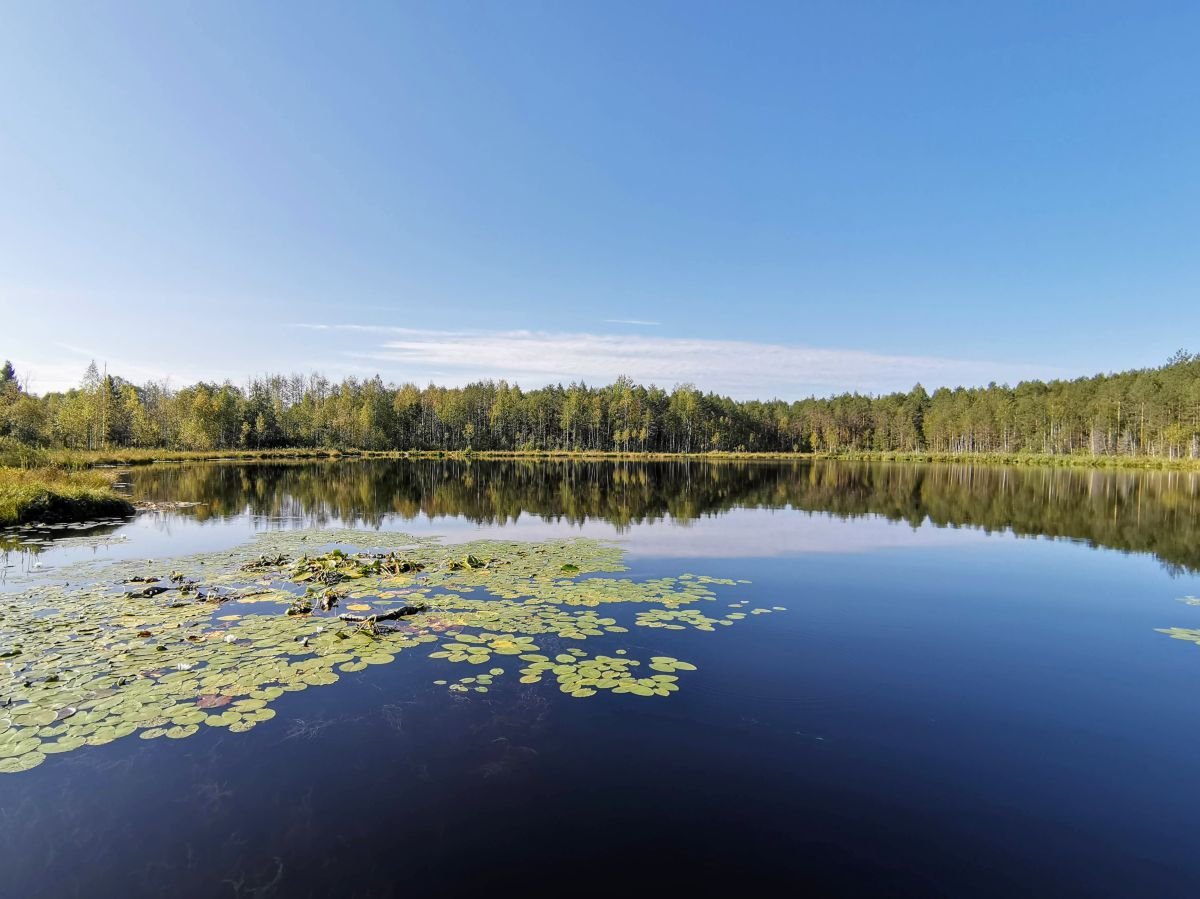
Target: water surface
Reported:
point(967, 695)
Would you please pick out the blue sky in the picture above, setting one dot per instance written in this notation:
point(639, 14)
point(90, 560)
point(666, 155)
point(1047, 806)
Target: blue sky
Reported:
point(764, 199)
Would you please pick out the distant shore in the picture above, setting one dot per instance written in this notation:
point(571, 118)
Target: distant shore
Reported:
point(129, 457)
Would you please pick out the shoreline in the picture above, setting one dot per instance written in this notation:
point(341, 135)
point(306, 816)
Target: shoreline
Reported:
point(91, 459)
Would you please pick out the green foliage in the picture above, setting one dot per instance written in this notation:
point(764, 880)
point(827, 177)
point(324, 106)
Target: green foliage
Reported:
point(1150, 413)
point(15, 454)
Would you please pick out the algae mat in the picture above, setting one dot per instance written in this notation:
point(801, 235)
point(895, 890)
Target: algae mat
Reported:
point(163, 648)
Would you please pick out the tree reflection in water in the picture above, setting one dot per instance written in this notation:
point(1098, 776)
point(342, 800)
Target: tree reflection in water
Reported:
point(1138, 511)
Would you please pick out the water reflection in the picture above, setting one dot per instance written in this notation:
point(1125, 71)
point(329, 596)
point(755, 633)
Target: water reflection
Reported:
point(1153, 512)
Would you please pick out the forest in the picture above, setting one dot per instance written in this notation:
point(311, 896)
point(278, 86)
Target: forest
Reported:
point(1152, 412)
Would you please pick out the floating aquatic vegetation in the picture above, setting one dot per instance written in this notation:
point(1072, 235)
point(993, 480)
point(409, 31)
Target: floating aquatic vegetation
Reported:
point(478, 649)
point(163, 649)
point(1192, 635)
point(582, 676)
point(468, 563)
point(678, 620)
point(265, 562)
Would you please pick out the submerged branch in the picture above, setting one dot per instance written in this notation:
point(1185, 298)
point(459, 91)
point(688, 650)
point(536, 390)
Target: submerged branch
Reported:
point(390, 615)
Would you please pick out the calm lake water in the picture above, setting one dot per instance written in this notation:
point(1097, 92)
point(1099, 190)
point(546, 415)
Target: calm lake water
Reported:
point(967, 696)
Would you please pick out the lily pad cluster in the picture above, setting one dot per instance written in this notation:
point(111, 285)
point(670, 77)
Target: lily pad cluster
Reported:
point(477, 649)
point(479, 683)
point(581, 675)
point(1192, 635)
point(680, 619)
point(167, 648)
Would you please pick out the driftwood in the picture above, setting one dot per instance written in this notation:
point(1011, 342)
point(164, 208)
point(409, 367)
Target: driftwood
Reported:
point(214, 595)
point(383, 616)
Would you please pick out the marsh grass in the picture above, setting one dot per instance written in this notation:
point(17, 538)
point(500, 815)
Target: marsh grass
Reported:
point(141, 456)
point(56, 494)
point(72, 458)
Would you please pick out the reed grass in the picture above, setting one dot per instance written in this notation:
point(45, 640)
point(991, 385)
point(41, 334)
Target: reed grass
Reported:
point(51, 494)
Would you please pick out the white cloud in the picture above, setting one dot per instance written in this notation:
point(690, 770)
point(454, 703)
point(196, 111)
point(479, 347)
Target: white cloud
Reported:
point(742, 369)
point(71, 361)
point(631, 321)
point(38, 376)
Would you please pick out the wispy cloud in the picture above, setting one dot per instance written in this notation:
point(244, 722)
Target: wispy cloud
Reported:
point(65, 368)
point(311, 326)
point(630, 321)
point(70, 361)
point(743, 369)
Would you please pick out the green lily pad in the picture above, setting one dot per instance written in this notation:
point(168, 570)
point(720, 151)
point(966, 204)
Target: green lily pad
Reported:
point(16, 764)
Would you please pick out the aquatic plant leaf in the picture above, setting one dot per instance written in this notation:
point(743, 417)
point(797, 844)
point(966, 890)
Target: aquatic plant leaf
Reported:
point(16, 764)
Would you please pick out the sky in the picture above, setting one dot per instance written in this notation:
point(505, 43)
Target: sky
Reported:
point(765, 200)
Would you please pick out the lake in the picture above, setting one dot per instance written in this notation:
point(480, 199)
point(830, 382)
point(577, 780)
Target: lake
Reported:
point(851, 679)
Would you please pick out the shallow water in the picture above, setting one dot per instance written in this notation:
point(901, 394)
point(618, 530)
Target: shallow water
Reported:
point(947, 707)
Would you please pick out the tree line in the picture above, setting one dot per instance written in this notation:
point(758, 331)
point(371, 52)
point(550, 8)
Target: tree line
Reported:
point(1148, 412)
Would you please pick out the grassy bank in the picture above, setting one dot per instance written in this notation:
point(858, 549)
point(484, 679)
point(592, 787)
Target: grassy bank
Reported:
point(89, 458)
point(138, 456)
point(1027, 459)
point(55, 494)
point(1031, 459)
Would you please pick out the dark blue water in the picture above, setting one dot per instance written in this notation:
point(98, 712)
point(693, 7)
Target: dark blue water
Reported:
point(939, 712)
